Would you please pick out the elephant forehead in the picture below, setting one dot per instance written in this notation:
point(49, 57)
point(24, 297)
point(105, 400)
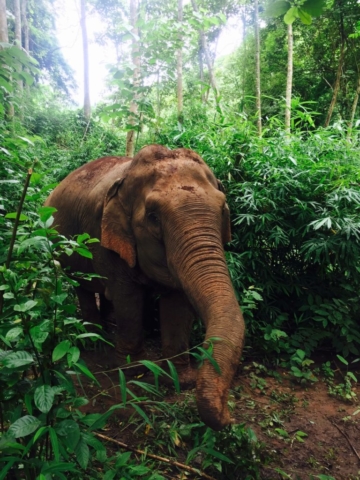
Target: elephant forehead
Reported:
point(184, 173)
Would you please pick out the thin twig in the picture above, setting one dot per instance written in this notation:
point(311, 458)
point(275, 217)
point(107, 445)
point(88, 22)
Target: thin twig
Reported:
point(348, 439)
point(13, 236)
point(156, 457)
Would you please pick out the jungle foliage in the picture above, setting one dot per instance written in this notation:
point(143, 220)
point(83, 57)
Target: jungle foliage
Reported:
point(294, 201)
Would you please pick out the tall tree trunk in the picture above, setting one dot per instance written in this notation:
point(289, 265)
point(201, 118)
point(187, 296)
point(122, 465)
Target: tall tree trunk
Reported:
point(4, 36)
point(17, 15)
point(25, 25)
point(337, 83)
point(87, 104)
point(206, 52)
point(353, 108)
point(130, 138)
point(201, 70)
point(179, 67)
point(243, 17)
point(257, 75)
point(289, 80)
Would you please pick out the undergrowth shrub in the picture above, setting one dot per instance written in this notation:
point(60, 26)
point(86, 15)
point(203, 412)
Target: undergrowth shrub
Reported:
point(295, 204)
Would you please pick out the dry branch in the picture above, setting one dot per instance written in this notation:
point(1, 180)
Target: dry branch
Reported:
point(157, 457)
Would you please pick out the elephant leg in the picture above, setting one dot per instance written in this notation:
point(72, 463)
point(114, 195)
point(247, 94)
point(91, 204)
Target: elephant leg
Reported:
point(127, 301)
point(88, 307)
point(176, 319)
point(106, 311)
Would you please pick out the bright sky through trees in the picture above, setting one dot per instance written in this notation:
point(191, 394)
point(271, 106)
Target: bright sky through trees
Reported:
point(69, 35)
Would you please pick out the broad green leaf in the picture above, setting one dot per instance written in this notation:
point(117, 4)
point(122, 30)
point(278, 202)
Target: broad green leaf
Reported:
point(291, 15)
point(81, 238)
point(46, 212)
point(17, 359)
point(60, 350)
point(277, 8)
point(14, 333)
point(73, 355)
point(14, 214)
point(44, 398)
point(314, 7)
point(25, 307)
point(29, 80)
point(24, 426)
point(82, 453)
point(304, 17)
point(3, 83)
point(84, 252)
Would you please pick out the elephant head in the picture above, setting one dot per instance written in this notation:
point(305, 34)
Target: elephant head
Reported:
point(168, 215)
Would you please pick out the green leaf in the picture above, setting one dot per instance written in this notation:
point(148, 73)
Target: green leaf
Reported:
point(44, 398)
point(24, 426)
point(218, 455)
point(14, 214)
point(315, 8)
point(174, 376)
point(304, 17)
point(55, 444)
point(60, 350)
point(73, 355)
point(9, 464)
point(141, 412)
point(82, 237)
point(291, 15)
point(17, 359)
point(84, 252)
point(277, 8)
point(14, 333)
point(86, 372)
point(5, 84)
point(25, 307)
point(122, 380)
point(46, 212)
point(82, 453)
point(342, 359)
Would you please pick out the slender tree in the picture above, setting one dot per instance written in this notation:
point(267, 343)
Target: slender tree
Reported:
point(18, 36)
point(130, 138)
point(87, 104)
point(257, 73)
point(25, 25)
point(179, 66)
point(339, 70)
point(289, 78)
point(4, 36)
point(304, 11)
point(207, 55)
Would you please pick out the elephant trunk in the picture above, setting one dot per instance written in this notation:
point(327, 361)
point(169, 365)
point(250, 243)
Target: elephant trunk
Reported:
point(199, 264)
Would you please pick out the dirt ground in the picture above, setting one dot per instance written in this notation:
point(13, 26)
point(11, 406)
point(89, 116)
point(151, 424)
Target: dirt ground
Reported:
point(305, 433)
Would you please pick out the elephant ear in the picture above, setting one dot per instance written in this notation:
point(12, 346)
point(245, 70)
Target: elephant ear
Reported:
point(226, 227)
point(116, 231)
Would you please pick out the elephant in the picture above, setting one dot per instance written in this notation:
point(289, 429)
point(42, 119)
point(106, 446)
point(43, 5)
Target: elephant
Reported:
point(162, 220)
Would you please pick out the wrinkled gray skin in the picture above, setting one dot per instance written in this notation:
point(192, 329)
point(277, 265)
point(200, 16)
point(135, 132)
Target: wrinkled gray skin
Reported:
point(162, 220)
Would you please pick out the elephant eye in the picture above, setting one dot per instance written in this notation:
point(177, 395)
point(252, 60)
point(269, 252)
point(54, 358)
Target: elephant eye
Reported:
point(153, 218)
